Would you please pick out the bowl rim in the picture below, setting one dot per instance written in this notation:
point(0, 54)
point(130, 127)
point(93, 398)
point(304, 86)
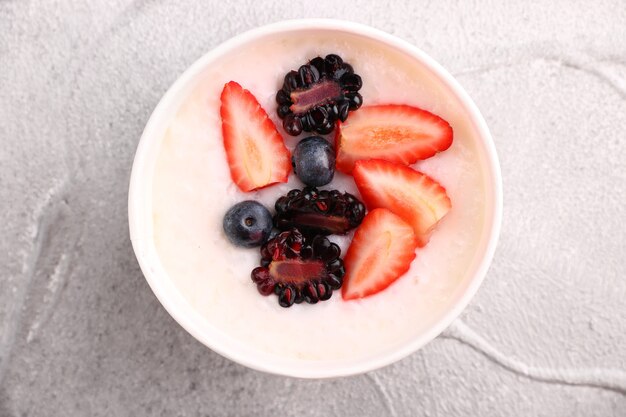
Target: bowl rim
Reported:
point(139, 191)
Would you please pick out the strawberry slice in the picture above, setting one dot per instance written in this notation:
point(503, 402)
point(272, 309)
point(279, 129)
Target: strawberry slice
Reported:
point(410, 194)
point(256, 153)
point(381, 252)
point(396, 133)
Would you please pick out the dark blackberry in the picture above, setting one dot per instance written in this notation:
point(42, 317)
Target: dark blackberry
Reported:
point(321, 92)
point(299, 269)
point(318, 212)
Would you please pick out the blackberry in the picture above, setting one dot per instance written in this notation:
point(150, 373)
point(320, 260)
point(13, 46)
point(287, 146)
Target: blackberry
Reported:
point(321, 92)
point(298, 269)
point(318, 212)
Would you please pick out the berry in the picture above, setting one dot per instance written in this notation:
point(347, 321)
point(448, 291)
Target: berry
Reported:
point(381, 252)
point(318, 94)
point(318, 212)
point(299, 269)
point(247, 224)
point(395, 133)
point(415, 197)
point(313, 161)
point(256, 153)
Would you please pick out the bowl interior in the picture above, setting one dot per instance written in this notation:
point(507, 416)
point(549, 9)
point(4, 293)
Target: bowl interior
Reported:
point(142, 224)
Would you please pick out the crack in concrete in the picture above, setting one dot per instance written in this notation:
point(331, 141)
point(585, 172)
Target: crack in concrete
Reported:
point(52, 207)
point(382, 393)
point(608, 379)
point(431, 388)
point(56, 283)
point(126, 17)
point(599, 71)
point(595, 68)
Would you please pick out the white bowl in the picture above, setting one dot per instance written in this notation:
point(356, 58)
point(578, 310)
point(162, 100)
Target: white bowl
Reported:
point(140, 211)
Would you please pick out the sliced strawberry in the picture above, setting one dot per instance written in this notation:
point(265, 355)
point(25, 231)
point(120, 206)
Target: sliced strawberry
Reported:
point(256, 153)
point(381, 252)
point(410, 194)
point(396, 133)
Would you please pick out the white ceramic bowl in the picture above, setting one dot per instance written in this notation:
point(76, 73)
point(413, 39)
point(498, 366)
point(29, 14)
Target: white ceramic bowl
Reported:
point(140, 210)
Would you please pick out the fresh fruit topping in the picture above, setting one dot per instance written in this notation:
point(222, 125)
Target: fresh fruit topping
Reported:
point(256, 154)
point(247, 224)
point(412, 195)
point(317, 95)
point(313, 161)
point(318, 212)
point(381, 252)
point(396, 133)
point(298, 269)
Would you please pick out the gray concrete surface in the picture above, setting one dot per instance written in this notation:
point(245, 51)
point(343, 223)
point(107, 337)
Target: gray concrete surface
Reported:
point(81, 334)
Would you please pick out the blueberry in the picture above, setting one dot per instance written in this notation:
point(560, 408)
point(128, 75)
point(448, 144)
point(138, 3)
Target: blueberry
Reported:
point(247, 224)
point(314, 161)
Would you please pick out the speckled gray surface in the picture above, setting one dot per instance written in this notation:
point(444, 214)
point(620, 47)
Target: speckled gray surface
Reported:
point(82, 334)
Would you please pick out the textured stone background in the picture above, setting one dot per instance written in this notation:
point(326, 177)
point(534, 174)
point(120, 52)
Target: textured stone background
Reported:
point(82, 334)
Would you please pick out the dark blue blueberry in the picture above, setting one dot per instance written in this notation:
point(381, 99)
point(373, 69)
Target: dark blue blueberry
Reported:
point(314, 161)
point(247, 224)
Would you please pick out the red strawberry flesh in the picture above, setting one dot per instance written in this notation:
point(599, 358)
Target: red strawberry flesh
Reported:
point(257, 156)
point(412, 195)
point(396, 133)
point(381, 252)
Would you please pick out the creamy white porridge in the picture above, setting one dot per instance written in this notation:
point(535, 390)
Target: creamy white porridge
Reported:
point(192, 190)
